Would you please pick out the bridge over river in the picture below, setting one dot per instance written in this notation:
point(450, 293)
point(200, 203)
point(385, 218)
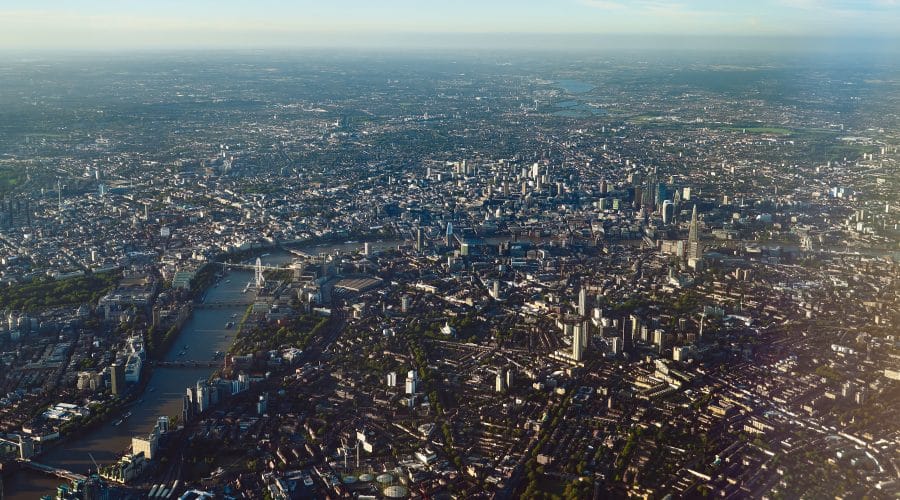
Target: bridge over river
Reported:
point(222, 304)
point(56, 471)
point(187, 364)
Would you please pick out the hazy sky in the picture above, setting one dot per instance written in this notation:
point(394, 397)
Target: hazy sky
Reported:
point(111, 24)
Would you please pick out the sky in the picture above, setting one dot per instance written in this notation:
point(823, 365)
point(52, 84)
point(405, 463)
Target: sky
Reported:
point(127, 24)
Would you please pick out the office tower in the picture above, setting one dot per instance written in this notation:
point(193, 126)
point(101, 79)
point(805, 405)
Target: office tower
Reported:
point(616, 345)
point(419, 240)
point(116, 378)
point(585, 333)
point(695, 250)
point(578, 343)
point(404, 303)
point(203, 396)
point(449, 232)
point(604, 187)
point(187, 406)
point(668, 211)
point(392, 379)
point(262, 405)
point(649, 197)
point(659, 337)
point(500, 382)
point(496, 289)
point(662, 192)
point(582, 303)
point(412, 382)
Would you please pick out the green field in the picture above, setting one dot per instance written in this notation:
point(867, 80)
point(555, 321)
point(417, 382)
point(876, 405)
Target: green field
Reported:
point(11, 179)
point(762, 130)
point(47, 292)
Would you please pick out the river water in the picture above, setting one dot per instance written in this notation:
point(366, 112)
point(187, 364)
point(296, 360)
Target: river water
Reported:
point(203, 334)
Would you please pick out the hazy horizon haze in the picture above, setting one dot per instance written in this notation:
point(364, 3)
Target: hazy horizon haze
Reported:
point(204, 24)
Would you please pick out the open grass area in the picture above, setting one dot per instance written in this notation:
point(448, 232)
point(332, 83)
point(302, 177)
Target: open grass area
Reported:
point(298, 332)
point(11, 178)
point(47, 292)
point(762, 130)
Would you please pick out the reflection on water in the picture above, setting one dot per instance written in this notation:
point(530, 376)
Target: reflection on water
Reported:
point(203, 335)
point(574, 86)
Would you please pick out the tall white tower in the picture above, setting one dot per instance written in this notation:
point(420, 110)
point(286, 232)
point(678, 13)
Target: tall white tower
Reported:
point(260, 279)
point(578, 343)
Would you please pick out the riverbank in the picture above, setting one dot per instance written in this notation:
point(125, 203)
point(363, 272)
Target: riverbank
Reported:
point(203, 333)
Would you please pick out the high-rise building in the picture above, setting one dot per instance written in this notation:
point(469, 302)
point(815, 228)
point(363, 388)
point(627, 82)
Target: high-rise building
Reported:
point(680, 353)
point(695, 248)
point(404, 303)
point(616, 345)
point(668, 211)
point(187, 406)
point(262, 405)
point(578, 342)
point(582, 303)
point(659, 337)
point(203, 396)
point(500, 382)
point(412, 382)
point(116, 379)
point(420, 240)
point(146, 445)
point(649, 197)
